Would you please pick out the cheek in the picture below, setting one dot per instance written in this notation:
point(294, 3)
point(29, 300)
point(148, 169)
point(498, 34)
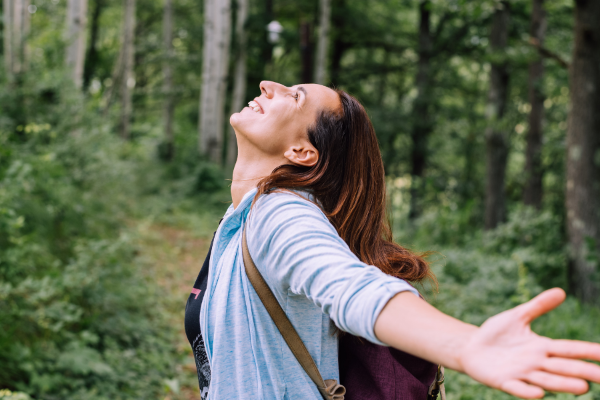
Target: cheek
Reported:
point(265, 134)
point(271, 133)
point(270, 141)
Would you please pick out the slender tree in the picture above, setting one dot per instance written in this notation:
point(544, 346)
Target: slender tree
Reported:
point(422, 125)
point(239, 78)
point(583, 154)
point(91, 58)
point(306, 52)
point(496, 137)
point(532, 194)
point(215, 61)
point(341, 42)
point(323, 42)
point(169, 103)
point(127, 74)
point(7, 34)
point(266, 47)
point(116, 76)
point(76, 25)
point(16, 29)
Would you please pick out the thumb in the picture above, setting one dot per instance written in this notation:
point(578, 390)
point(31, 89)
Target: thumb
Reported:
point(542, 303)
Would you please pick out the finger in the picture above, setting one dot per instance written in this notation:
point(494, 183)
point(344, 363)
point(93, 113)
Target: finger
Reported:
point(522, 389)
point(574, 368)
point(557, 383)
point(542, 303)
point(575, 349)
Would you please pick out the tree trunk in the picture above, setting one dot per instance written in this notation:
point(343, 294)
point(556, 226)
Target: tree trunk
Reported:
point(532, 194)
point(127, 77)
point(340, 43)
point(323, 42)
point(468, 187)
point(496, 137)
point(91, 58)
point(75, 53)
point(267, 48)
point(239, 79)
point(421, 116)
point(215, 62)
point(7, 21)
point(169, 105)
point(583, 154)
point(305, 52)
point(116, 76)
point(16, 30)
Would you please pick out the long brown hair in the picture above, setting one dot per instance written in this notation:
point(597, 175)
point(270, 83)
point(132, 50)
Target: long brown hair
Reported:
point(348, 183)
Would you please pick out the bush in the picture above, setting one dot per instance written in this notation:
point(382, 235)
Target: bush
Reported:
point(481, 274)
point(6, 394)
point(79, 320)
point(536, 239)
point(530, 239)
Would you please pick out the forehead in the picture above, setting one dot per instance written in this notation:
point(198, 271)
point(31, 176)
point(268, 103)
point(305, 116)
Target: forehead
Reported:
point(320, 97)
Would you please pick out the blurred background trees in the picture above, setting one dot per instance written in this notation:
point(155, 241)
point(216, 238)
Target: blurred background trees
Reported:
point(114, 123)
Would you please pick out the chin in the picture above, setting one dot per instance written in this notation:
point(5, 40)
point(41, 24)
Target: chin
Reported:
point(235, 119)
point(238, 122)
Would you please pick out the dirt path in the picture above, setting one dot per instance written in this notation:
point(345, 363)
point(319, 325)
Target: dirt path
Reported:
point(174, 257)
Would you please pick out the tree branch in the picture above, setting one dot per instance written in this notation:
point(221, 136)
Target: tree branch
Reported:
point(547, 53)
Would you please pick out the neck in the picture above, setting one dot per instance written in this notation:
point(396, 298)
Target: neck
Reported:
point(249, 169)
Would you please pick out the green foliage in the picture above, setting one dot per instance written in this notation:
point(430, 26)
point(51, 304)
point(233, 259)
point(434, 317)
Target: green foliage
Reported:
point(491, 272)
point(534, 239)
point(77, 313)
point(82, 318)
point(530, 240)
point(6, 394)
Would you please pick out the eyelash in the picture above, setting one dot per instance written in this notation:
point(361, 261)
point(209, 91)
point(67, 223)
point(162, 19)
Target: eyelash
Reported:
point(296, 96)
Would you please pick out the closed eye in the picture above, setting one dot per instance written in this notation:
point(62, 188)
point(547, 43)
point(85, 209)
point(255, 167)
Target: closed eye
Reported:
point(296, 96)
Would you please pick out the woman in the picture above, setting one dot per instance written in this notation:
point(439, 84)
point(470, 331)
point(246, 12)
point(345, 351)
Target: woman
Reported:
point(308, 187)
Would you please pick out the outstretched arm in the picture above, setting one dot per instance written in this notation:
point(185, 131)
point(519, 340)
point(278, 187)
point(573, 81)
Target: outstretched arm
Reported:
point(503, 353)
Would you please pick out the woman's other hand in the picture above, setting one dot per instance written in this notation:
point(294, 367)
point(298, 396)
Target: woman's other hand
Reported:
point(505, 354)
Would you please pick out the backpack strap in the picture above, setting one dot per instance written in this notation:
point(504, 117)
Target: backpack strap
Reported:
point(437, 386)
point(329, 389)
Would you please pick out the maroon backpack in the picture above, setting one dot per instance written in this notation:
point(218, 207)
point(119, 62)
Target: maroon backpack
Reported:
point(373, 372)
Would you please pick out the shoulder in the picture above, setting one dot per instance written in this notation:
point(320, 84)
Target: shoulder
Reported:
point(286, 202)
point(279, 209)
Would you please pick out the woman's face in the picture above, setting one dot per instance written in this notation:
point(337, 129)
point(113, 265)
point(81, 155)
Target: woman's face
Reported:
point(279, 118)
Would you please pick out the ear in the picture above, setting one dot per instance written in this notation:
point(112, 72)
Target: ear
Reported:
point(305, 155)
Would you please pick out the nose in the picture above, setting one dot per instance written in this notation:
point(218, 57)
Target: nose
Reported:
point(269, 88)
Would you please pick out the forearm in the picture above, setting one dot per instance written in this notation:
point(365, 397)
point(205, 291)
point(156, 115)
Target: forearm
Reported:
point(410, 324)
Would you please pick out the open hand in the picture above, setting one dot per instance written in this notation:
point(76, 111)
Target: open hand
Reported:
point(505, 354)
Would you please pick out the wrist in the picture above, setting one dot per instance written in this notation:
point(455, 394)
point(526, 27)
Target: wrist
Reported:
point(460, 347)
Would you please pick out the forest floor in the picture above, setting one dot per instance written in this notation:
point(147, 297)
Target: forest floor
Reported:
point(174, 256)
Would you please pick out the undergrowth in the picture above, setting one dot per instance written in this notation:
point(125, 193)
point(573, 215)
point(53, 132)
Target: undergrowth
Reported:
point(483, 273)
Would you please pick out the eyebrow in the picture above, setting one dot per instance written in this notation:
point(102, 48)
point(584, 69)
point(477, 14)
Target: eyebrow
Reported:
point(300, 88)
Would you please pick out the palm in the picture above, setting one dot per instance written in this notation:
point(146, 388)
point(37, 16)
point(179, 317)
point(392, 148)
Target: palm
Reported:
point(505, 354)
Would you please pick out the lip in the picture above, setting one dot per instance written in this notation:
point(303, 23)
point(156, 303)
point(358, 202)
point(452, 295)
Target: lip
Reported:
point(262, 110)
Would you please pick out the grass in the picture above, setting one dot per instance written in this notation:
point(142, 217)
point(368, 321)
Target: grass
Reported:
point(173, 257)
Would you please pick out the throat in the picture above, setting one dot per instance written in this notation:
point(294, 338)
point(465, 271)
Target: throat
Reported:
point(239, 189)
point(250, 168)
point(245, 178)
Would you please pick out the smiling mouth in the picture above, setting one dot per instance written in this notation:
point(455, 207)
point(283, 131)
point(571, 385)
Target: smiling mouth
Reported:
point(255, 107)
